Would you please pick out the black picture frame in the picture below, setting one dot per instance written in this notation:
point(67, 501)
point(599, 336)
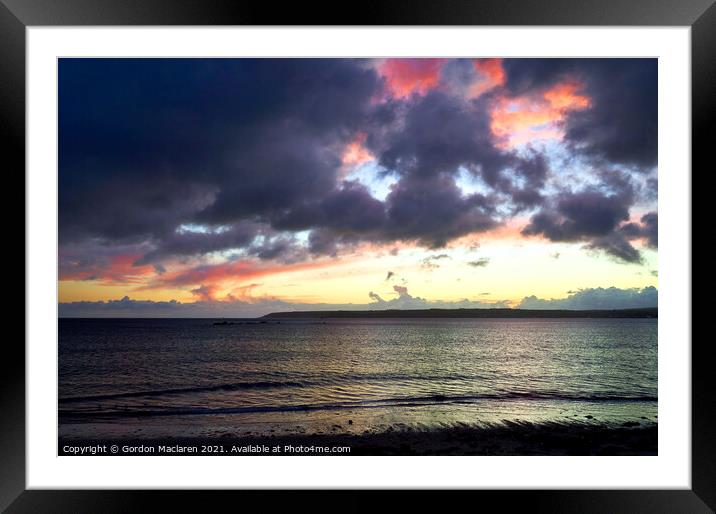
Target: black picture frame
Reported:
point(17, 15)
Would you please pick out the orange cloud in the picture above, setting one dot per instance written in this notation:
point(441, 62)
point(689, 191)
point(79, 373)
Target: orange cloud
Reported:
point(205, 293)
point(520, 120)
point(566, 96)
point(511, 230)
point(226, 273)
point(491, 75)
point(119, 269)
point(212, 293)
point(405, 77)
point(244, 293)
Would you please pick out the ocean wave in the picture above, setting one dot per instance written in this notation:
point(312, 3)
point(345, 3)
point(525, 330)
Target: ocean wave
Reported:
point(185, 390)
point(127, 411)
point(272, 384)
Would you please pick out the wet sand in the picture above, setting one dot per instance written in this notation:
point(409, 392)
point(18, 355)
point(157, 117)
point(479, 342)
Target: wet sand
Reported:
point(509, 438)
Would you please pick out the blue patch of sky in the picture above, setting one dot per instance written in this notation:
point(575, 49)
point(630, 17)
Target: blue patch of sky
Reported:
point(201, 229)
point(566, 171)
point(470, 184)
point(377, 179)
point(302, 236)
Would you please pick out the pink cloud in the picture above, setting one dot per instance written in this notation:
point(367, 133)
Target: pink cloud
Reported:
point(490, 74)
point(117, 269)
point(355, 152)
point(520, 120)
point(405, 77)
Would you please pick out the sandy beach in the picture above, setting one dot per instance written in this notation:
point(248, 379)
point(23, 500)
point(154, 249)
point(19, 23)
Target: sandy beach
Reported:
point(509, 438)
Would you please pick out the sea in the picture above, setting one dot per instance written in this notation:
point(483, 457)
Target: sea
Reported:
point(154, 378)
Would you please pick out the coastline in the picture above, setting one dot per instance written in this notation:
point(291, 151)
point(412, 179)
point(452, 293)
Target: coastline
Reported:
point(638, 313)
point(504, 439)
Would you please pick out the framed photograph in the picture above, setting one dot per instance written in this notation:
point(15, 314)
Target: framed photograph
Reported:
point(400, 250)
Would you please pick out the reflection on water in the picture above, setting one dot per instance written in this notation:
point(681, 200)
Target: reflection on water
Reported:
point(191, 377)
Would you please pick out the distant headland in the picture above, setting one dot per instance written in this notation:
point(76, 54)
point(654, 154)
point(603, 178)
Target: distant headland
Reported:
point(650, 312)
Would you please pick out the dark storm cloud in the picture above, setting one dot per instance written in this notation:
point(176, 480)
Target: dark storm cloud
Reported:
point(249, 151)
point(434, 210)
point(146, 145)
point(322, 242)
point(127, 210)
point(648, 228)
point(618, 243)
point(590, 213)
point(534, 171)
point(620, 127)
point(189, 243)
point(597, 215)
point(251, 146)
point(283, 248)
point(650, 189)
point(349, 209)
point(527, 75)
point(438, 134)
point(617, 246)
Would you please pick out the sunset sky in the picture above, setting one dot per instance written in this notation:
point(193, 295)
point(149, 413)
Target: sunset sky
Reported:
point(237, 187)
